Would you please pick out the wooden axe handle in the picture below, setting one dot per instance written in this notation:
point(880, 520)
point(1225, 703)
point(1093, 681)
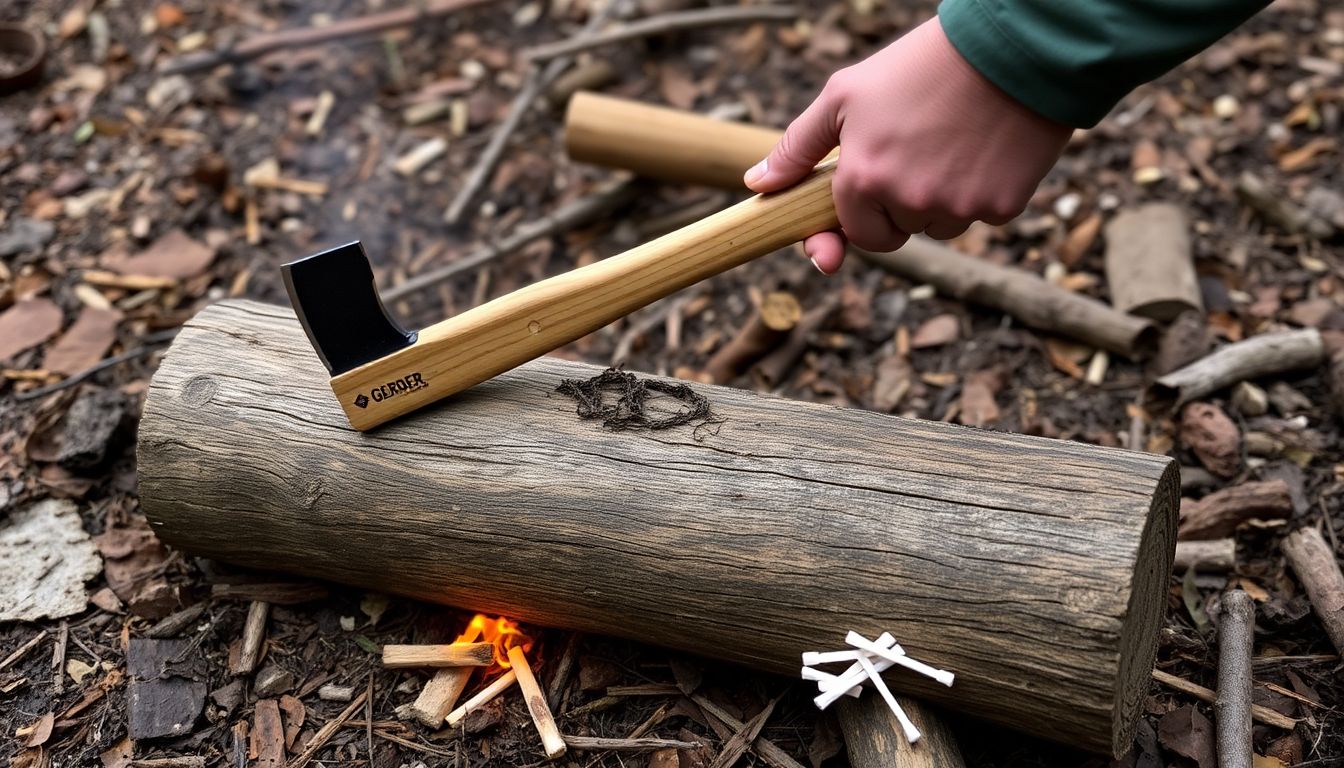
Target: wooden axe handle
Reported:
point(476, 345)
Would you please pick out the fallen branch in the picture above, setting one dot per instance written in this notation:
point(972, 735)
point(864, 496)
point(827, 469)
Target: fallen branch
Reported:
point(23, 650)
point(767, 327)
point(1318, 570)
point(1218, 514)
point(663, 24)
point(289, 39)
point(275, 593)
point(594, 744)
point(1232, 708)
point(254, 634)
point(768, 751)
point(1254, 358)
point(534, 85)
point(746, 735)
point(1260, 714)
point(1218, 555)
point(771, 370)
point(576, 214)
point(328, 730)
point(1279, 210)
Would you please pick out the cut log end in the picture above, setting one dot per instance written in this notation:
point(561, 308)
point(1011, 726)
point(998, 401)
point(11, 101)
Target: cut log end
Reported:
point(780, 311)
point(1147, 605)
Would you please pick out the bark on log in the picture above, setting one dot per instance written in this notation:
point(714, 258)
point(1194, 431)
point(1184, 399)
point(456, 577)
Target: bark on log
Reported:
point(674, 145)
point(1318, 570)
point(873, 736)
point(1034, 569)
point(1253, 358)
point(1149, 266)
point(1236, 636)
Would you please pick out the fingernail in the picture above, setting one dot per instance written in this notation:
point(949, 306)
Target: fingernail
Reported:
point(818, 266)
point(757, 171)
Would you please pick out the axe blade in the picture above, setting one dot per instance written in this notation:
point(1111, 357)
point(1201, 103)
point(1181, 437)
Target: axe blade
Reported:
point(334, 295)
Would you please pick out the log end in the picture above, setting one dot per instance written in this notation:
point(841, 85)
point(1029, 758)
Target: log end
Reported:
point(1147, 605)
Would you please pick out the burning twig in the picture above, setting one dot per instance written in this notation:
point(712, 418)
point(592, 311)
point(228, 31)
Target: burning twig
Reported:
point(455, 655)
point(487, 694)
point(551, 740)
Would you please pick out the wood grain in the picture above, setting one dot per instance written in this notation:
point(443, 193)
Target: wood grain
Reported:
point(1034, 569)
point(1150, 268)
point(462, 351)
point(873, 736)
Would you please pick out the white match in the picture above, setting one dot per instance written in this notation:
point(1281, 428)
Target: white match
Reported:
point(911, 732)
point(825, 680)
point(864, 644)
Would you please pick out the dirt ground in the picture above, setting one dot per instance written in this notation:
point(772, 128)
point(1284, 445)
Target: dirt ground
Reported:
point(131, 199)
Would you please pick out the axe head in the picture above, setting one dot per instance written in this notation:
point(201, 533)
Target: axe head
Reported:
point(336, 300)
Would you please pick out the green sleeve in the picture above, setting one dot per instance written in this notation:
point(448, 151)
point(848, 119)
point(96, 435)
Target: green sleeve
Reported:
point(1073, 60)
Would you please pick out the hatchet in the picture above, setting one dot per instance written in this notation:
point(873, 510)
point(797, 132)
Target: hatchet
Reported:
point(380, 370)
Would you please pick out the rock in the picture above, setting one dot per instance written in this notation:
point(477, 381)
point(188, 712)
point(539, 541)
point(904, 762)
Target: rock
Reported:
point(1250, 400)
point(161, 702)
point(1287, 400)
point(273, 681)
point(228, 697)
point(25, 235)
point(90, 425)
point(48, 558)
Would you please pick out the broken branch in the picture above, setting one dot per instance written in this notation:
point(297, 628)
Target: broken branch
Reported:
point(662, 24)
point(1260, 714)
point(1218, 514)
point(768, 325)
point(1232, 708)
point(1256, 357)
point(1318, 570)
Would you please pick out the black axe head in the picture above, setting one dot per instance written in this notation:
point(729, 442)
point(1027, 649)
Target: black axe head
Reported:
point(336, 300)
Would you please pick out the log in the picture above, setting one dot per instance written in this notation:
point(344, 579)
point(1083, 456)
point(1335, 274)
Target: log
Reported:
point(1149, 265)
point(1218, 514)
point(873, 737)
point(684, 147)
point(1034, 569)
point(1219, 555)
point(1232, 708)
point(1318, 569)
point(1254, 358)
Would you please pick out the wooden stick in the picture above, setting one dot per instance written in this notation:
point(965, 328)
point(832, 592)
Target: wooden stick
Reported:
point(327, 730)
point(1218, 514)
point(1217, 555)
point(1259, 356)
point(58, 657)
point(551, 740)
point(594, 744)
point(771, 371)
point(439, 695)
point(1150, 267)
point(171, 625)
point(534, 84)
point(485, 696)
point(454, 655)
point(563, 669)
point(1232, 708)
point(1276, 207)
point(23, 650)
point(744, 738)
point(768, 751)
point(870, 728)
point(579, 213)
point(254, 634)
point(649, 689)
point(768, 325)
point(273, 593)
point(1318, 569)
point(371, 24)
point(1260, 714)
point(663, 24)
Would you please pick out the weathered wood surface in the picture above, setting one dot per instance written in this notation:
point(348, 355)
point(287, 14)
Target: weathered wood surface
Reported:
point(873, 735)
point(1150, 268)
point(1034, 569)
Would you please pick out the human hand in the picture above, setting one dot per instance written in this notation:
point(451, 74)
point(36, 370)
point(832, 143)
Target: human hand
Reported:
point(927, 144)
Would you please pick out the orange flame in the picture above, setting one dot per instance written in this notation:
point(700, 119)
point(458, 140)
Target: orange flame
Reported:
point(500, 632)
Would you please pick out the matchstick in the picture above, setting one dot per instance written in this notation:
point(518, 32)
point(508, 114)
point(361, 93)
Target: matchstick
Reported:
point(489, 692)
point(911, 732)
point(551, 740)
point(813, 658)
point(455, 655)
point(864, 644)
point(826, 681)
point(852, 678)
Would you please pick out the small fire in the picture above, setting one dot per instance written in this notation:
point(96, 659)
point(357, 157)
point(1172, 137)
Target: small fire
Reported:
point(500, 632)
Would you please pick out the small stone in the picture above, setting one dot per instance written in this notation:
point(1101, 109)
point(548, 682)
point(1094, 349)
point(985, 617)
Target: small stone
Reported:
point(334, 692)
point(473, 70)
point(348, 623)
point(273, 681)
point(1226, 106)
point(69, 182)
point(24, 234)
point(1250, 400)
point(228, 697)
point(409, 685)
point(1067, 205)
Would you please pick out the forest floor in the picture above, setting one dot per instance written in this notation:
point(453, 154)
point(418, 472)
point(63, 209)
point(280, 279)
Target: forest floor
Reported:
point(132, 199)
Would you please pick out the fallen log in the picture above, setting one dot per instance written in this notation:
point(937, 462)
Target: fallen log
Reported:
point(873, 737)
point(673, 145)
point(1034, 569)
point(1149, 266)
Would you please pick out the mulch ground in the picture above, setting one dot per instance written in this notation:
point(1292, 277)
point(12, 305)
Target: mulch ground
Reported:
point(131, 199)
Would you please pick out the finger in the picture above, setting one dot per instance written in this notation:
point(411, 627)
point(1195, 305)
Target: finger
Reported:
point(864, 221)
point(826, 250)
point(910, 221)
point(807, 140)
point(946, 230)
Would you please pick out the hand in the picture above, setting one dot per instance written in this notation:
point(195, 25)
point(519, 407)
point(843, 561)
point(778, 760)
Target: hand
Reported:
point(927, 144)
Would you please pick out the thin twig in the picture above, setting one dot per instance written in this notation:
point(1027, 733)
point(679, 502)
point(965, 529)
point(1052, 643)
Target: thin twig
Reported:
point(328, 730)
point(58, 658)
point(534, 84)
point(663, 24)
point(23, 650)
point(1260, 714)
point(148, 344)
point(595, 744)
point(575, 214)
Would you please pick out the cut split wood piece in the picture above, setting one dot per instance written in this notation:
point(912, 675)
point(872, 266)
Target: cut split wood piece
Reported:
point(1318, 569)
point(455, 655)
point(768, 326)
point(873, 737)
point(1149, 265)
point(551, 740)
point(442, 691)
point(1217, 555)
point(1076, 552)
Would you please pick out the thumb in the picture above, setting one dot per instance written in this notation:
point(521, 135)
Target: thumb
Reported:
point(808, 139)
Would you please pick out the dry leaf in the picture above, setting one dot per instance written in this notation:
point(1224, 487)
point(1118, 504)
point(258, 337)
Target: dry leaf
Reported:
point(937, 331)
point(1060, 355)
point(1214, 438)
point(118, 755)
point(27, 324)
point(1187, 732)
point(894, 377)
point(978, 407)
point(85, 343)
point(77, 670)
point(174, 255)
point(677, 88)
point(168, 15)
point(37, 734)
point(1305, 155)
point(1079, 240)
